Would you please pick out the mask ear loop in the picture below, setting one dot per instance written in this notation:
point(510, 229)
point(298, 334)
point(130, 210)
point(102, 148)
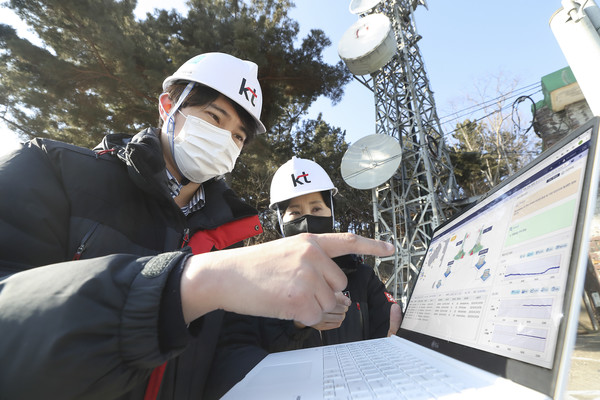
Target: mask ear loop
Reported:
point(280, 221)
point(171, 117)
point(332, 213)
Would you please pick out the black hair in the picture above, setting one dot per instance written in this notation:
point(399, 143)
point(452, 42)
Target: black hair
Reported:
point(201, 95)
point(325, 195)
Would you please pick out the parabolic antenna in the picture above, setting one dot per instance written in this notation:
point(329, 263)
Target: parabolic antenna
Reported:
point(362, 6)
point(371, 161)
point(368, 44)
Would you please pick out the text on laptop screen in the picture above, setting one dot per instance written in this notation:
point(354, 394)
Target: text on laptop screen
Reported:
point(494, 278)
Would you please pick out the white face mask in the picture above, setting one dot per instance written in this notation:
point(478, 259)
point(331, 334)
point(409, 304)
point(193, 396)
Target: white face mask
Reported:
point(203, 151)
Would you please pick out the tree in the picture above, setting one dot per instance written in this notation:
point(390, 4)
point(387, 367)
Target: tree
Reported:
point(100, 70)
point(489, 149)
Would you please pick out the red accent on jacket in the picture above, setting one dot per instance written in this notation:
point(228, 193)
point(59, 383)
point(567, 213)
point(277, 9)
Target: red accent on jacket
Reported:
point(203, 242)
point(225, 235)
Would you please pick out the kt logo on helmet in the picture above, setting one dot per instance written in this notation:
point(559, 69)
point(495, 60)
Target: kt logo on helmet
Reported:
point(296, 179)
point(244, 90)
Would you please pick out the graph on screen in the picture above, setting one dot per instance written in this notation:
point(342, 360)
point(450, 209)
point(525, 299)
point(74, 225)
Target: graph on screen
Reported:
point(494, 278)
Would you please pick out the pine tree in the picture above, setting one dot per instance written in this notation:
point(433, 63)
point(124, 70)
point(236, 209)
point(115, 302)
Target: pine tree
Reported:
point(100, 70)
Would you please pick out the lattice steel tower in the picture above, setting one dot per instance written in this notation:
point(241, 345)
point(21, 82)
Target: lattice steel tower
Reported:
point(381, 50)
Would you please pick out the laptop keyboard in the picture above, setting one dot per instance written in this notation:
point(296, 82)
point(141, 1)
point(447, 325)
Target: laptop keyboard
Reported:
point(382, 371)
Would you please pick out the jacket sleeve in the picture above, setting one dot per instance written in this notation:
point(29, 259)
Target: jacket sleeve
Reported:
point(380, 302)
point(84, 329)
point(283, 335)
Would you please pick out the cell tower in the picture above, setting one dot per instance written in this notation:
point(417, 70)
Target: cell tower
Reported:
point(381, 50)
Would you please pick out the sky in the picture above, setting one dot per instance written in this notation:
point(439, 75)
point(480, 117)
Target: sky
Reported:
point(470, 49)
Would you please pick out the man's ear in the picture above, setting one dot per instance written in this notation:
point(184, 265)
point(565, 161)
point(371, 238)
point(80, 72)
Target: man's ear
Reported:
point(164, 105)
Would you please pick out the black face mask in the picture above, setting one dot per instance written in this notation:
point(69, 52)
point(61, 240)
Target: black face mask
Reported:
point(308, 223)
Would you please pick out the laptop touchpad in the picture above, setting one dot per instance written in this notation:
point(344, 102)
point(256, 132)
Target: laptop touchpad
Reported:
point(281, 374)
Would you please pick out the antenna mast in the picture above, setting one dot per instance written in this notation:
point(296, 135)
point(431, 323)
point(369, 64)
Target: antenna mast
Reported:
point(420, 195)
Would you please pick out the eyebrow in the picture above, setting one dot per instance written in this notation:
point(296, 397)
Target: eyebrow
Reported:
point(312, 203)
point(228, 115)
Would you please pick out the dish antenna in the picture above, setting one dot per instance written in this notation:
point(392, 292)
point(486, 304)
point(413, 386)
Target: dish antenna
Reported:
point(362, 6)
point(368, 45)
point(371, 161)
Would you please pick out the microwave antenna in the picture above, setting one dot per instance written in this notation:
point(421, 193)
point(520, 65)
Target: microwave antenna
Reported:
point(413, 186)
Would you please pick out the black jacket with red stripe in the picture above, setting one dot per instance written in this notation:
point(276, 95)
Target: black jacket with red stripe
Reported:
point(97, 327)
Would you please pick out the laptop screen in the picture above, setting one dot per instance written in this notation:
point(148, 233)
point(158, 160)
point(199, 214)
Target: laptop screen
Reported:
point(495, 277)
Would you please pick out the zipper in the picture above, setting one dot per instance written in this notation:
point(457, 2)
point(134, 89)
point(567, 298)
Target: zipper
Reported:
point(361, 321)
point(84, 241)
point(186, 237)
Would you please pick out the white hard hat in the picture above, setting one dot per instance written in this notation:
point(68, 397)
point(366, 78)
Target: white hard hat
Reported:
point(297, 177)
point(234, 78)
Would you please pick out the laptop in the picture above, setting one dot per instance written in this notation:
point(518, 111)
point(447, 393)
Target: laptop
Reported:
point(494, 309)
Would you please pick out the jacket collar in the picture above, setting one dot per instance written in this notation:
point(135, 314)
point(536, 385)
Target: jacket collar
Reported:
point(143, 156)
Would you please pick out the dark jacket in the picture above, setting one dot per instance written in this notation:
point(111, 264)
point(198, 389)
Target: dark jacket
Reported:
point(245, 340)
point(97, 327)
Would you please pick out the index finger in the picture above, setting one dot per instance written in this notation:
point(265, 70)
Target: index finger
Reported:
point(339, 244)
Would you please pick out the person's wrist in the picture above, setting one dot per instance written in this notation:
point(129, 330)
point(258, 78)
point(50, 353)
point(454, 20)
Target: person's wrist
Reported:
point(200, 287)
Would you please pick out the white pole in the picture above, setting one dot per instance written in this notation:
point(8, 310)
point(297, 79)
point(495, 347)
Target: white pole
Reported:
point(576, 28)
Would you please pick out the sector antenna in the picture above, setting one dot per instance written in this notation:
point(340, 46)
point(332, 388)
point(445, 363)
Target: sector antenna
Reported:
point(371, 161)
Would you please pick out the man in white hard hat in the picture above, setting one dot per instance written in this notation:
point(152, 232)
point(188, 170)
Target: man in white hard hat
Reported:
point(302, 194)
point(109, 286)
